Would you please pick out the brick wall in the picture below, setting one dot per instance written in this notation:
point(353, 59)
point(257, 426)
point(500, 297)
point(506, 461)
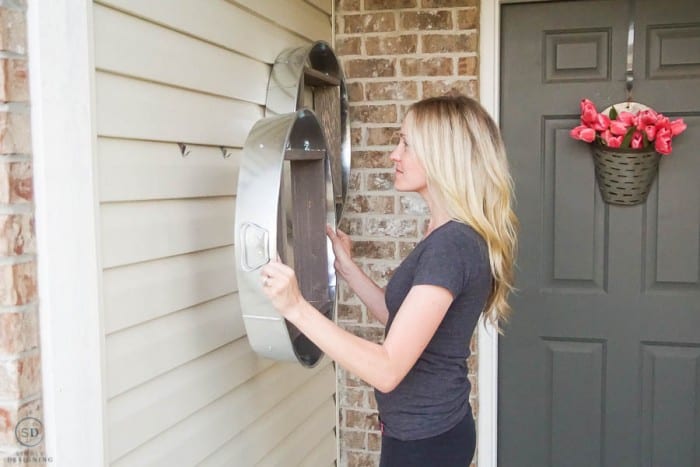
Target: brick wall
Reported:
point(393, 53)
point(20, 369)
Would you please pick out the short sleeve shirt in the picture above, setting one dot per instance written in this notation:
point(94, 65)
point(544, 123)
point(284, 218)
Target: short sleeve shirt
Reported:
point(434, 395)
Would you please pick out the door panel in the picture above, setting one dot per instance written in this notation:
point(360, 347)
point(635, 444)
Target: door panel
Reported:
point(600, 363)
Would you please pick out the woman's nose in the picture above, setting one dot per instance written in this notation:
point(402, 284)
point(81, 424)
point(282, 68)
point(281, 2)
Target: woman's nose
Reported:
point(394, 155)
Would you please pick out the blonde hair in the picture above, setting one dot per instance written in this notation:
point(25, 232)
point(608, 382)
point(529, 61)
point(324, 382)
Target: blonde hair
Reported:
point(467, 172)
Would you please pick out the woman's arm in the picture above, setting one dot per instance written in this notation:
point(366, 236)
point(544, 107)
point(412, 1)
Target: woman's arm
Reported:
point(364, 287)
point(382, 366)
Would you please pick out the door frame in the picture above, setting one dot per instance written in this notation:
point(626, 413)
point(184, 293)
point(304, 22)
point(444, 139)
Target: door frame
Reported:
point(61, 79)
point(487, 349)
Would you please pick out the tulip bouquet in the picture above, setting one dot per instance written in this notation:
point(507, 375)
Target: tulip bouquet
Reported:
point(625, 129)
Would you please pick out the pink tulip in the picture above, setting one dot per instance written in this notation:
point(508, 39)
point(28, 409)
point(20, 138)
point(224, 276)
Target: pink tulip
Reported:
point(610, 140)
point(588, 112)
point(662, 122)
point(637, 141)
point(678, 126)
point(601, 122)
point(646, 118)
point(618, 128)
point(583, 133)
point(663, 141)
point(650, 131)
point(615, 142)
point(628, 118)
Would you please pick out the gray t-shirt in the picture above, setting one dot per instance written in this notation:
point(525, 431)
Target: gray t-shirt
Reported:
point(434, 395)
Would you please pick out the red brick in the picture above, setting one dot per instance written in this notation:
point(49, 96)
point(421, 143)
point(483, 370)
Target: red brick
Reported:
point(373, 113)
point(19, 331)
point(371, 333)
point(375, 204)
point(434, 66)
point(413, 204)
point(391, 45)
point(373, 22)
point(343, 6)
point(10, 415)
point(355, 137)
point(362, 459)
point(370, 68)
point(349, 380)
point(405, 248)
point(351, 313)
point(371, 160)
point(13, 80)
point(351, 225)
point(391, 227)
point(13, 33)
point(468, 87)
point(17, 235)
point(17, 284)
point(348, 46)
point(448, 3)
point(356, 92)
point(354, 398)
point(392, 91)
point(16, 182)
point(389, 4)
point(379, 273)
point(426, 20)
point(362, 420)
point(383, 136)
point(468, 66)
point(14, 133)
point(20, 378)
point(468, 19)
point(373, 249)
point(352, 439)
point(374, 442)
point(445, 43)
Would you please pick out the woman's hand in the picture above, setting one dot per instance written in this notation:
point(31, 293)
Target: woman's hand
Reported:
point(342, 246)
point(281, 286)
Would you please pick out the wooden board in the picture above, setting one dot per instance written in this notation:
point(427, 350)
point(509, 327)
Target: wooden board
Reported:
point(258, 439)
point(142, 170)
point(294, 15)
point(219, 22)
point(130, 108)
point(143, 231)
point(191, 441)
point(156, 53)
point(147, 290)
point(292, 449)
point(325, 5)
point(140, 353)
point(158, 404)
point(324, 453)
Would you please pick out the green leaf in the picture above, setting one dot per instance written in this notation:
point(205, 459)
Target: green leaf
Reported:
point(613, 113)
point(628, 137)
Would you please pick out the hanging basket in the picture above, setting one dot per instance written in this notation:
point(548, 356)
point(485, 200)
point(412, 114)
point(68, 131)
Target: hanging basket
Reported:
point(625, 175)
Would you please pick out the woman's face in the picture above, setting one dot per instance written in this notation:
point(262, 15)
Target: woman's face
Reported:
point(409, 173)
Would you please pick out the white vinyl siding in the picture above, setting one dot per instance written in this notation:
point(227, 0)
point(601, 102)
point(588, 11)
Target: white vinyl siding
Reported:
point(183, 387)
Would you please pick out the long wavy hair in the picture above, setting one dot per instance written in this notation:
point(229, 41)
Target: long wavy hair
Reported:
point(467, 172)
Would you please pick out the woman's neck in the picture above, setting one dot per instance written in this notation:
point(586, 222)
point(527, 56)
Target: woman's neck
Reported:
point(438, 214)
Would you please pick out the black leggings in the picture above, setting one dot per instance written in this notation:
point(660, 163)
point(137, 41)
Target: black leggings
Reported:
point(454, 448)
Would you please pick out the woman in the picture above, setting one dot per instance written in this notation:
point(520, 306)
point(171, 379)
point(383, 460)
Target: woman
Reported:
point(451, 153)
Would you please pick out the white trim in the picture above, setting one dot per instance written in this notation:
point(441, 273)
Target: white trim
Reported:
point(61, 71)
point(489, 79)
point(489, 61)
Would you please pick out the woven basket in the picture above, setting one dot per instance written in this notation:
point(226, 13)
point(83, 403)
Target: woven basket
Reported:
point(625, 175)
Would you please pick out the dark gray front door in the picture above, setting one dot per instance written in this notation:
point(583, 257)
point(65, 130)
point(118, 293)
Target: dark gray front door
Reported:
point(600, 365)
